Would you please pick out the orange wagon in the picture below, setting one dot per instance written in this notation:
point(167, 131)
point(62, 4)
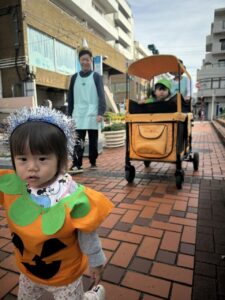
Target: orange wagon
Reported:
point(159, 131)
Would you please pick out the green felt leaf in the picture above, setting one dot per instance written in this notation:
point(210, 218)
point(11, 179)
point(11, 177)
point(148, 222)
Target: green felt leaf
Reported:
point(11, 184)
point(69, 200)
point(81, 207)
point(79, 203)
point(24, 212)
point(53, 219)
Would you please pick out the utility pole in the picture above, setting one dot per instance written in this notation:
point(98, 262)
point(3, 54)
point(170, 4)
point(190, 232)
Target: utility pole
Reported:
point(213, 101)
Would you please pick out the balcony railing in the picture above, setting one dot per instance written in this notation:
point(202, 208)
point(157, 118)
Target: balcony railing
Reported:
point(110, 6)
point(217, 65)
point(122, 21)
point(218, 27)
point(212, 83)
point(125, 5)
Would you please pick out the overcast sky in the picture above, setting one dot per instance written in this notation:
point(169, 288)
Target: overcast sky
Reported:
point(177, 27)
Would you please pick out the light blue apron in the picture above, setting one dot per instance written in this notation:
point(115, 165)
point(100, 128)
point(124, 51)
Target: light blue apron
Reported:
point(85, 102)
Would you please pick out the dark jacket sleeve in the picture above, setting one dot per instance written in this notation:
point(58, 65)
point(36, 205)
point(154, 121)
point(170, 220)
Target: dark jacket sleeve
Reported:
point(70, 95)
point(101, 94)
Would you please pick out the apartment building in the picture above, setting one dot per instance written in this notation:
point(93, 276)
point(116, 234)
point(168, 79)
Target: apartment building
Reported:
point(40, 40)
point(211, 76)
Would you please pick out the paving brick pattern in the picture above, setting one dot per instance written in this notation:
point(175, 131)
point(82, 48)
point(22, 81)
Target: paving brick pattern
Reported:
point(160, 242)
point(209, 273)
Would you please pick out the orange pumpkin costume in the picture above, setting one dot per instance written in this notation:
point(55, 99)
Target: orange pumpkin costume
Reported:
point(45, 239)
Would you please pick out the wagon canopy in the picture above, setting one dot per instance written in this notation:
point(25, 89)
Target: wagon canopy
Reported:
point(154, 65)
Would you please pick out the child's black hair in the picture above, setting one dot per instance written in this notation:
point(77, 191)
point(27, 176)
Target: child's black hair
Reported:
point(41, 138)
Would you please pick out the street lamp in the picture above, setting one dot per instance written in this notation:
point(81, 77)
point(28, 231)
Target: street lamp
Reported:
point(152, 48)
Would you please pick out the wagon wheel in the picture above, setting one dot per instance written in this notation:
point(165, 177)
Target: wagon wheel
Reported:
point(196, 161)
point(147, 163)
point(179, 181)
point(130, 173)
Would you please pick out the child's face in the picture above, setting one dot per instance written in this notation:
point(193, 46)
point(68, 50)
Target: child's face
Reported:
point(161, 93)
point(37, 171)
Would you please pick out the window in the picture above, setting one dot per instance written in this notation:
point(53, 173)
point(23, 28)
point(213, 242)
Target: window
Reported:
point(209, 48)
point(222, 83)
point(64, 58)
point(221, 62)
point(222, 44)
point(223, 24)
point(215, 83)
point(98, 8)
point(121, 87)
point(48, 53)
point(118, 87)
point(205, 84)
point(208, 66)
point(113, 87)
point(41, 49)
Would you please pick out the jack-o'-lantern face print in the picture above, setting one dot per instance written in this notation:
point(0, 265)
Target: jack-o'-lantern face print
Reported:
point(40, 269)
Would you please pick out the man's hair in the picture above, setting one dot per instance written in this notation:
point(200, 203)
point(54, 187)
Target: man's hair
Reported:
point(84, 51)
point(41, 138)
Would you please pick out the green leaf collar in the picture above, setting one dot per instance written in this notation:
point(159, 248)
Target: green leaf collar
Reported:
point(24, 211)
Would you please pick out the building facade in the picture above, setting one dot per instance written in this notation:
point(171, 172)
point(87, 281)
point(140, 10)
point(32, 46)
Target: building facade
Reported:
point(211, 76)
point(40, 42)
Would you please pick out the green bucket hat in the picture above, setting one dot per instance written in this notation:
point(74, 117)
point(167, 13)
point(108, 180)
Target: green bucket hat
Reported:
point(165, 82)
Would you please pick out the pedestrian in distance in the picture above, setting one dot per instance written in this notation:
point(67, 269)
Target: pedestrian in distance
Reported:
point(52, 219)
point(86, 105)
point(202, 115)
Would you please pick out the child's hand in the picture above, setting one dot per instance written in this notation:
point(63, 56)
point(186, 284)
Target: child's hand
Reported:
point(187, 99)
point(142, 101)
point(96, 274)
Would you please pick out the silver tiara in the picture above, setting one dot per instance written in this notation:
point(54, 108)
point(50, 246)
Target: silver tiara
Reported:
point(47, 115)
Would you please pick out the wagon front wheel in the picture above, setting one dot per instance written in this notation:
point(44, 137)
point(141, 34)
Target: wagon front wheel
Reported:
point(179, 181)
point(147, 163)
point(196, 161)
point(130, 173)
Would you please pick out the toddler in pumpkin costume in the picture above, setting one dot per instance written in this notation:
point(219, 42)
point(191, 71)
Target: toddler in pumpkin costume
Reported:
point(52, 219)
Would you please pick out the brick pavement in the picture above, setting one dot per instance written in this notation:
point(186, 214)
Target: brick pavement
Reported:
point(161, 243)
